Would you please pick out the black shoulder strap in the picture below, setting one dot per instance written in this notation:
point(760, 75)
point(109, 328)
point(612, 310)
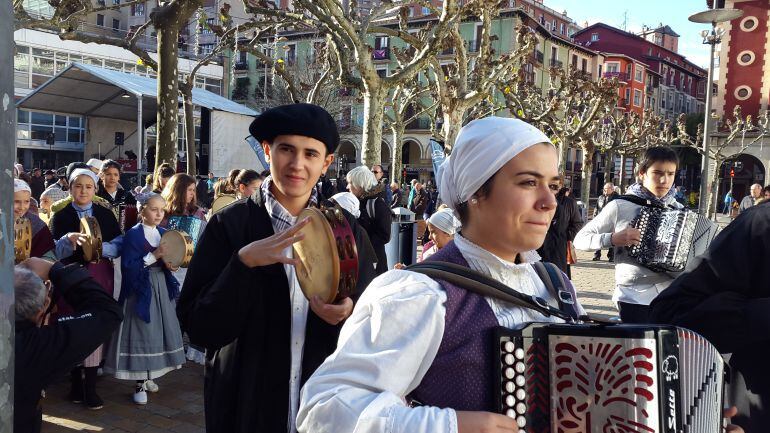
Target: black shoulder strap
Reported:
point(483, 285)
point(554, 282)
point(638, 200)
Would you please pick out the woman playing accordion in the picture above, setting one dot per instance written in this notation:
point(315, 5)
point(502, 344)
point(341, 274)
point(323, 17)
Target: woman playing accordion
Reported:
point(500, 179)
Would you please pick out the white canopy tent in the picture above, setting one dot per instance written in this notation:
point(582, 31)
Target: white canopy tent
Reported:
point(91, 91)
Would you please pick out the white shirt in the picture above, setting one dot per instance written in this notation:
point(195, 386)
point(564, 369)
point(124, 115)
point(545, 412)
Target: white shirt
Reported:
point(299, 310)
point(153, 238)
point(390, 341)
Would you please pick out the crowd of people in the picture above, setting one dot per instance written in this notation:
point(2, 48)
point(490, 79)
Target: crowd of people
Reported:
point(403, 351)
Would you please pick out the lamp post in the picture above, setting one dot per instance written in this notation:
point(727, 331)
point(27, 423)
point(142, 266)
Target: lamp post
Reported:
point(711, 38)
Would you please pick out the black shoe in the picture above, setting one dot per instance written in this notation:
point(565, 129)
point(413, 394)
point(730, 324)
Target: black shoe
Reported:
point(93, 401)
point(596, 259)
point(612, 260)
point(77, 393)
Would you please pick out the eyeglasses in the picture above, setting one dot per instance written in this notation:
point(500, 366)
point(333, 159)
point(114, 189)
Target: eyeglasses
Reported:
point(376, 172)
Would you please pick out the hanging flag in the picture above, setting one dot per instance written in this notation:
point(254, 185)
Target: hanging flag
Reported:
point(257, 148)
point(437, 156)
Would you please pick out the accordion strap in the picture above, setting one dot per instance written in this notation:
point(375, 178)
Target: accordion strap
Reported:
point(483, 285)
point(554, 281)
point(643, 201)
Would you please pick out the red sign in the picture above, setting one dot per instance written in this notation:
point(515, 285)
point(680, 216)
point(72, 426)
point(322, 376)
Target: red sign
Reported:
point(732, 172)
point(129, 165)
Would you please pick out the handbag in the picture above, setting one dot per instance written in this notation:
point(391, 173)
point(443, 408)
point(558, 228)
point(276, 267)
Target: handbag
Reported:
point(571, 253)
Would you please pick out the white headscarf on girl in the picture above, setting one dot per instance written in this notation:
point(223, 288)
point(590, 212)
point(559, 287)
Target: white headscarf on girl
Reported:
point(482, 148)
point(349, 202)
point(445, 221)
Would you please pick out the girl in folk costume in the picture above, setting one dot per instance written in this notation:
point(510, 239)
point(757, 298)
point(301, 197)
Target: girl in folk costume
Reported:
point(110, 189)
point(247, 182)
point(183, 213)
point(149, 342)
point(42, 240)
point(442, 226)
point(162, 175)
point(500, 180)
point(65, 226)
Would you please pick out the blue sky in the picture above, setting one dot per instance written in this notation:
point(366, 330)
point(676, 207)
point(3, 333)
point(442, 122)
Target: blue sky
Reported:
point(673, 13)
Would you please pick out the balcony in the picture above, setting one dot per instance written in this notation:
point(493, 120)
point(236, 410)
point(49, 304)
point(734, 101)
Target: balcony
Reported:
point(585, 75)
point(381, 54)
point(556, 63)
point(621, 76)
point(420, 123)
point(241, 66)
point(623, 102)
point(538, 57)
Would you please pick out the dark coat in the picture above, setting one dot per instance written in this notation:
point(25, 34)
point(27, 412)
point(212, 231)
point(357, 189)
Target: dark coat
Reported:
point(397, 200)
point(565, 225)
point(420, 202)
point(37, 185)
point(726, 298)
point(121, 197)
point(377, 226)
point(44, 355)
point(603, 200)
point(66, 221)
point(242, 316)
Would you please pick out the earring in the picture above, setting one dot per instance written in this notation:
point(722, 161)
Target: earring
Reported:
point(474, 201)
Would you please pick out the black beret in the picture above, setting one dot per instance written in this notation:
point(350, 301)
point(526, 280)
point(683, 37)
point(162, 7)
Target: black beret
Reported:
point(297, 119)
point(75, 165)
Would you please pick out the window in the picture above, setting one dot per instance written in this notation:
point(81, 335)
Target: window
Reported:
point(612, 67)
point(749, 23)
point(742, 93)
point(137, 10)
point(36, 125)
point(21, 67)
point(553, 25)
point(561, 28)
point(574, 61)
point(116, 2)
point(381, 42)
point(628, 96)
point(638, 73)
point(100, 20)
point(291, 53)
point(205, 49)
point(584, 65)
point(206, 30)
point(43, 66)
point(382, 73)
point(115, 24)
point(637, 98)
point(594, 37)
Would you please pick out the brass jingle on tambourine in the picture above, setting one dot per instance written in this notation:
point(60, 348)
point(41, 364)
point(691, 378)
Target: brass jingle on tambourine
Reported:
point(340, 249)
point(349, 248)
point(339, 215)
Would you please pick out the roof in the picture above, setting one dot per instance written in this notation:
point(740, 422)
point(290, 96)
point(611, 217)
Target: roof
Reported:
point(666, 30)
point(97, 92)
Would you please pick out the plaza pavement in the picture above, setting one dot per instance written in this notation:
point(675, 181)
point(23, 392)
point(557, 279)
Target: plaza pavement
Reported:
point(178, 407)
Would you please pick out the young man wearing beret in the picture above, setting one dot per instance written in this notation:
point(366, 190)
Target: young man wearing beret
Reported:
point(241, 299)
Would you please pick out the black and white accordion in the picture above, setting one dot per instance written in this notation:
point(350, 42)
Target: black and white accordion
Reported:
point(670, 238)
point(556, 378)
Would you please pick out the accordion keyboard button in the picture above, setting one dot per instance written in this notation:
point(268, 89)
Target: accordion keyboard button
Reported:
point(510, 388)
point(508, 346)
point(520, 381)
point(519, 353)
point(509, 373)
point(509, 359)
point(510, 401)
point(521, 394)
point(521, 421)
point(521, 408)
point(520, 367)
point(511, 413)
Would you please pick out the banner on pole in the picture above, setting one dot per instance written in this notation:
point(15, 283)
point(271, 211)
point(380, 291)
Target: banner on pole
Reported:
point(437, 156)
point(257, 148)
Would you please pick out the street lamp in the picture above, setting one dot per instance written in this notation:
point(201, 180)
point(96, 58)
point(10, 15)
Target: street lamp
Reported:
point(712, 38)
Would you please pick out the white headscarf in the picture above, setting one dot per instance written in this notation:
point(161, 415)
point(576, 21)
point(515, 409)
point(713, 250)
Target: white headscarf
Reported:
point(445, 221)
point(481, 149)
point(20, 185)
point(83, 172)
point(349, 202)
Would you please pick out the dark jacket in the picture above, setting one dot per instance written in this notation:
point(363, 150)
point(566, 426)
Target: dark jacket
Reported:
point(45, 354)
point(37, 185)
point(377, 224)
point(565, 225)
point(121, 197)
point(420, 202)
point(726, 298)
point(242, 316)
point(603, 200)
point(397, 200)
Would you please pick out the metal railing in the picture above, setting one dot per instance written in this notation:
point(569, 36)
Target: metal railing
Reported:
point(419, 123)
point(621, 76)
point(556, 63)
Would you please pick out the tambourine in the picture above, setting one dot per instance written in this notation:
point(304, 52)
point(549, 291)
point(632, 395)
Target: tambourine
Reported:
point(328, 255)
point(92, 247)
point(178, 248)
point(22, 239)
point(220, 203)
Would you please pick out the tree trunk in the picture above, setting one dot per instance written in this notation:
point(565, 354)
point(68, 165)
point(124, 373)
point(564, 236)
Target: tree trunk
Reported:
point(453, 122)
point(622, 172)
point(587, 170)
point(168, 95)
point(398, 149)
point(189, 123)
point(713, 189)
point(374, 111)
point(609, 173)
point(563, 150)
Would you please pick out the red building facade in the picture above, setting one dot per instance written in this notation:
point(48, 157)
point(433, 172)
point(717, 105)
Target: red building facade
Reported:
point(682, 83)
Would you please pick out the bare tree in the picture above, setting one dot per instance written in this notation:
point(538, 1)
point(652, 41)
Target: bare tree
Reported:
point(348, 32)
point(570, 110)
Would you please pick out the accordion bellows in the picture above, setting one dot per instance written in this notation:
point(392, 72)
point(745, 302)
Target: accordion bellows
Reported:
point(670, 239)
point(609, 379)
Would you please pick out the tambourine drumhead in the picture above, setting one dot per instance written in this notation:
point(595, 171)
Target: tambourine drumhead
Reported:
point(319, 270)
point(178, 248)
point(92, 247)
point(220, 202)
point(22, 239)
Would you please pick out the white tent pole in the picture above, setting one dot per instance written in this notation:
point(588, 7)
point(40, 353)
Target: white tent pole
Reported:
point(140, 138)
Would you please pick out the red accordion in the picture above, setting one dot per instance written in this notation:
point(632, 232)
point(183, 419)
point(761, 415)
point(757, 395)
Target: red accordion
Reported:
point(609, 379)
